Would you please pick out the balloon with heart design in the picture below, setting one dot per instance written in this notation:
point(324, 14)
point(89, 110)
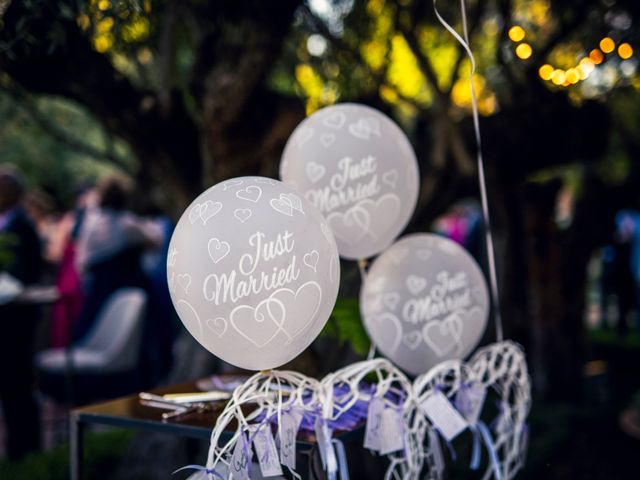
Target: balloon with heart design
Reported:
point(358, 167)
point(438, 295)
point(254, 271)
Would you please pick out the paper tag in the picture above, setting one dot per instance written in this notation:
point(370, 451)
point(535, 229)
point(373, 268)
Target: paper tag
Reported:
point(323, 437)
point(374, 423)
point(267, 452)
point(241, 458)
point(391, 431)
point(470, 400)
point(436, 451)
point(289, 425)
point(443, 416)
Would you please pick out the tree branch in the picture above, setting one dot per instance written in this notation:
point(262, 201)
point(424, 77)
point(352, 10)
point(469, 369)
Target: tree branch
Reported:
point(59, 134)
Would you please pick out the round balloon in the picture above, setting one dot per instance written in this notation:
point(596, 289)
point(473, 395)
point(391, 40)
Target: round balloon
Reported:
point(358, 168)
point(424, 300)
point(253, 272)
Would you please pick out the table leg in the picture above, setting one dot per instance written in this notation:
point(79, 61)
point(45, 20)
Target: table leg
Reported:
point(76, 451)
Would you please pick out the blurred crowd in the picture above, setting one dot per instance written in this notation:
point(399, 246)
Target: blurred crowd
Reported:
point(108, 239)
point(620, 275)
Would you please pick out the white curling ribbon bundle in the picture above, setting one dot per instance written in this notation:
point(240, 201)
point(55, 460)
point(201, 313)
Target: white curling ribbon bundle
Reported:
point(406, 421)
point(389, 424)
point(451, 396)
point(278, 393)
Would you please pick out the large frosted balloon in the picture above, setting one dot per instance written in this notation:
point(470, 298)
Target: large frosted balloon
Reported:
point(253, 272)
point(424, 301)
point(358, 168)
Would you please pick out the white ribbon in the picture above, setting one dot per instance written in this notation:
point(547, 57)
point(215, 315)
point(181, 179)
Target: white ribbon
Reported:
point(493, 278)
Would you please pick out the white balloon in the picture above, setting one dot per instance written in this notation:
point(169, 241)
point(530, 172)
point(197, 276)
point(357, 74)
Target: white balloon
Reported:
point(358, 168)
point(424, 300)
point(253, 272)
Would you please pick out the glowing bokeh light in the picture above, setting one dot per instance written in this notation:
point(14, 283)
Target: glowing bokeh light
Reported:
point(586, 64)
point(582, 72)
point(625, 51)
point(572, 76)
point(545, 72)
point(516, 33)
point(524, 51)
point(607, 45)
point(558, 76)
point(596, 56)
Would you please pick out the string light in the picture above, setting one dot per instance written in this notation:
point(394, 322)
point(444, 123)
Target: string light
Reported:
point(577, 73)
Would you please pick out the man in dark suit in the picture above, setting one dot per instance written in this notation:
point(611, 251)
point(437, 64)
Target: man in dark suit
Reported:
point(18, 321)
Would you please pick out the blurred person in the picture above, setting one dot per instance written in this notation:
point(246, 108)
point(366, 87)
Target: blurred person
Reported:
point(453, 224)
point(162, 327)
point(109, 249)
point(41, 208)
point(18, 321)
point(62, 252)
point(627, 243)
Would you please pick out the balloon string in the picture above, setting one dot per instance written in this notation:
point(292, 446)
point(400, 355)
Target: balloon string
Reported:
point(362, 266)
point(493, 279)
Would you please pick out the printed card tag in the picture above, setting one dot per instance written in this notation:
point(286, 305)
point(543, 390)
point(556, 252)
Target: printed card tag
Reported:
point(374, 423)
point(443, 415)
point(469, 402)
point(391, 431)
point(436, 451)
point(241, 459)
point(267, 452)
point(289, 426)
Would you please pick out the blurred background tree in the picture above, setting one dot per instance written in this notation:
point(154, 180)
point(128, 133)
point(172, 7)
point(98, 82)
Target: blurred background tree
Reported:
point(184, 94)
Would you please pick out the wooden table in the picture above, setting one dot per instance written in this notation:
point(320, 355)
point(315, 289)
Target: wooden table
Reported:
point(127, 412)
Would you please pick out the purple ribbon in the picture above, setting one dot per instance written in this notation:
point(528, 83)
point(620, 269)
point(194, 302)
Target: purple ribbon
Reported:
point(481, 431)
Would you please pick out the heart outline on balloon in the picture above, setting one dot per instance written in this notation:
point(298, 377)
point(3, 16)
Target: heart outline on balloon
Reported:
point(215, 328)
point(242, 214)
point(220, 249)
point(448, 328)
point(252, 193)
point(277, 318)
point(386, 316)
point(311, 260)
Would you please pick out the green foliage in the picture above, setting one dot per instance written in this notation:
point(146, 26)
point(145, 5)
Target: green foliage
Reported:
point(345, 326)
point(102, 454)
point(48, 160)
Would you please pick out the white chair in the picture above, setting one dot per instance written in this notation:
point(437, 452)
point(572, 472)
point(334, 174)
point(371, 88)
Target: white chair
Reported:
point(112, 346)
